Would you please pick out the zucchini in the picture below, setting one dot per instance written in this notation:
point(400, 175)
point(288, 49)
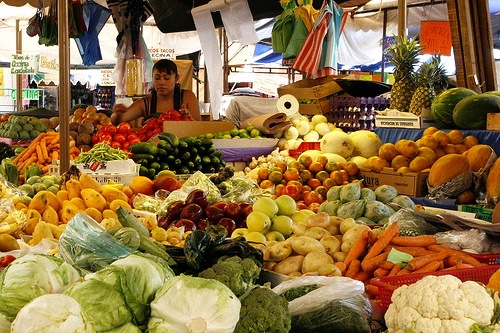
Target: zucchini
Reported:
point(144, 148)
point(127, 219)
point(140, 157)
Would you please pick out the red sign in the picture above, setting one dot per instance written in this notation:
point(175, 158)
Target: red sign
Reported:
point(435, 37)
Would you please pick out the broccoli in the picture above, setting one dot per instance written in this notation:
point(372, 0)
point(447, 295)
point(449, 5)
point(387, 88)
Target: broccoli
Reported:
point(262, 310)
point(236, 273)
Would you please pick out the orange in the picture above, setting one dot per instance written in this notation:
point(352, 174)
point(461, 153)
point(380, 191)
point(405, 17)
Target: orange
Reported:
point(439, 153)
point(313, 183)
point(387, 151)
point(403, 170)
point(344, 175)
point(428, 141)
point(305, 175)
point(316, 167)
point(263, 173)
point(282, 165)
point(470, 141)
point(430, 130)
point(351, 168)
point(276, 177)
point(305, 160)
point(328, 183)
point(295, 164)
point(455, 136)
point(291, 174)
point(337, 177)
point(461, 148)
point(331, 166)
point(322, 175)
point(322, 159)
point(321, 190)
point(266, 184)
point(279, 190)
point(142, 184)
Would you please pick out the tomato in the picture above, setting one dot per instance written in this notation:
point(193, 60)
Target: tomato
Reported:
point(175, 115)
point(125, 145)
point(131, 136)
point(111, 129)
point(115, 145)
point(134, 141)
point(6, 260)
point(121, 138)
point(164, 117)
point(157, 130)
point(124, 128)
point(95, 138)
point(143, 137)
point(105, 137)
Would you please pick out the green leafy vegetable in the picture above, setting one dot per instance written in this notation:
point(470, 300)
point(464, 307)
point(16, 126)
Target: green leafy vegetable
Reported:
point(294, 293)
point(398, 257)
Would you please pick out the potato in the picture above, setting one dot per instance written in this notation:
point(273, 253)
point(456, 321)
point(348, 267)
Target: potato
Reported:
point(354, 232)
point(336, 220)
point(333, 228)
point(321, 219)
point(339, 256)
point(347, 224)
point(265, 250)
point(314, 260)
point(347, 245)
point(331, 244)
point(329, 270)
point(303, 245)
point(299, 228)
point(316, 232)
point(289, 265)
point(279, 251)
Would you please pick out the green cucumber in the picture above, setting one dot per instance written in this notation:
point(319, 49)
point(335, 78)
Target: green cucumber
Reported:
point(144, 148)
point(127, 219)
point(147, 157)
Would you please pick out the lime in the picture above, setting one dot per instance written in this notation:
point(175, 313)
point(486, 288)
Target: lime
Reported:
point(255, 133)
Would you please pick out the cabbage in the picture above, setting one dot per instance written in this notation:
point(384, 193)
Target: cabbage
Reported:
point(54, 313)
point(31, 276)
point(138, 279)
point(4, 324)
point(101, 303)
point(193, 304)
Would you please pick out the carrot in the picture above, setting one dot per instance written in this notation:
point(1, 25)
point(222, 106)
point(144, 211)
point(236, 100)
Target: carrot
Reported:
point(430, 267)
point(379, 272)
point(56, 139)
point(415, 251)
point(353, 268)
point(28, 151)
point(39, 154)
point(43, 147)
point(45, 168)
point(419, 262)
point(461, 255)
point(395, 269)
point(371, 264)
point(386, 264)
point(54, 155)
point(341, 265)
point(422, 240)
point(383, 240)
point(372, 290)
point(459, 266)
point(372, 239)
point(403, 271)
point(357, 248)
point(362, 276)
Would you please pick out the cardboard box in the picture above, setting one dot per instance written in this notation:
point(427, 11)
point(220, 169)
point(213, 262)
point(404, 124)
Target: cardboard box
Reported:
point(412, 184)
point(493, 121)
point(187, 128)
point(403, 122)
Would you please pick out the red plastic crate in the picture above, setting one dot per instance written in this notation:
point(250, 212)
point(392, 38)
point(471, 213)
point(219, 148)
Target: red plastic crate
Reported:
point(487, 258)
point(295, 153)
point(387, 284)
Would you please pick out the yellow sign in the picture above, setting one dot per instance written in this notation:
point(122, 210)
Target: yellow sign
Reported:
point(48, 65)
point(23, 64)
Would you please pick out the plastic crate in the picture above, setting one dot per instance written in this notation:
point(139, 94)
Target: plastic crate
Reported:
point(482, 212)
point(295, 153)
point(387, 284)
point(104, 177)
point(487, 258)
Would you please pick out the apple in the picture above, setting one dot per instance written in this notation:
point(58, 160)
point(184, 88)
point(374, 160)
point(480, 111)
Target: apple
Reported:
point(239, 232)
point(255, 236)
point(232, 210)
point(275, 236)
point(265, 205)
point(187, 224)
point(198, 197)
point(286, 205)
point(228, 223)
point(214, 213)
point(258, 221)
point(192, 212)
point(282, 224)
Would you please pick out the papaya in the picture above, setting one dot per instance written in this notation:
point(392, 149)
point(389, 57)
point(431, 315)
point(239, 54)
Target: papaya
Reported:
point(43, 199)
point(79, 202)
point(493, 183)
point(73, 187)
point(480, 157)
point(446, 168)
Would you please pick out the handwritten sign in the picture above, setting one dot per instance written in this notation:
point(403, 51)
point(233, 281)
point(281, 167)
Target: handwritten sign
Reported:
point(158, 53)
point(28, 94)
point(23, 64)
point(435, 37)
point(48, 64)
point(107, 77)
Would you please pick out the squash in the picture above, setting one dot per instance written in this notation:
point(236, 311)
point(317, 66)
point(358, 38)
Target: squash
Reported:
point(444, 103)
point(480, 157)
point(446, 168)
point(493, 183)
point(470, 112)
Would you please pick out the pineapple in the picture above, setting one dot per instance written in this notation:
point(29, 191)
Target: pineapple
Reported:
point(430, 76)
point(403, 55)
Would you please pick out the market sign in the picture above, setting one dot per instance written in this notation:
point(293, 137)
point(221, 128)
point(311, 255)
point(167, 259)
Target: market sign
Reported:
point(28, 94)
point(48, 64)
point(158, 53)
point(107, 77)
point(23, 64)
point(435, 37)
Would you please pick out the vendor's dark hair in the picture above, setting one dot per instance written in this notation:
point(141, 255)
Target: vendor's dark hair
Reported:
point(165, 65)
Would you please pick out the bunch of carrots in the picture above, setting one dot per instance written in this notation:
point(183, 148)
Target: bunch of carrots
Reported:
point(368, 257)
point(43, 150)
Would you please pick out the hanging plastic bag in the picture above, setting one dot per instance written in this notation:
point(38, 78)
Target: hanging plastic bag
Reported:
point(35, 22)
point(283, 28)
point(305, 15)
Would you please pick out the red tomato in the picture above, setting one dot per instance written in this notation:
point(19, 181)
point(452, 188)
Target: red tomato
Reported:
point(131, 136)
point(164, 117)
point(143, 137)
point(115, 145)
point(95, 138)
point(6, 260)
point(111, 129)
point(105, 137)
point(121, 138)
point(125, 145)
point(157, 130)
point(134, 141)
point(123, 128)
point(175, 115)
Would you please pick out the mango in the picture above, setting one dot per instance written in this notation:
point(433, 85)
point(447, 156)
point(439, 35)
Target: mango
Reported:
point(94, 213)
point(41, 231)
point(50, 215)
point(43, 199)
point(8, 243)
point(73, 188)
point(111, 193)
point(79, 202)
point(67, 211)
point(86, 181)
point(94, 199)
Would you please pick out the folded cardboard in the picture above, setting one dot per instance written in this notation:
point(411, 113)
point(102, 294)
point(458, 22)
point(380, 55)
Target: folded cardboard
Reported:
point(411, 184)
point(188, 128)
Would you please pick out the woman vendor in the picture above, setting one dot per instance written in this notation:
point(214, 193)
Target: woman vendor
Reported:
point(166, 95)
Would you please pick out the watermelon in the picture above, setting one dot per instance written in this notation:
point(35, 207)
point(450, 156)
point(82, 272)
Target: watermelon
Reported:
point(470, 112)
point(442, 106)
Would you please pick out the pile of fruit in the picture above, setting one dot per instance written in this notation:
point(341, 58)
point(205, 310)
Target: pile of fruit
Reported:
point(21, 127)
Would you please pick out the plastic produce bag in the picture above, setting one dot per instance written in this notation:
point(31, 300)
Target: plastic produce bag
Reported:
point(411, 224)
point(283, 28)
point(337, 305)
point(87, 246)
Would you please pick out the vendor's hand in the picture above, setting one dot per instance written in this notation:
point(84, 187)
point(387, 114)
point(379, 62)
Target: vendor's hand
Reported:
point(119, 108)
point(185, 112)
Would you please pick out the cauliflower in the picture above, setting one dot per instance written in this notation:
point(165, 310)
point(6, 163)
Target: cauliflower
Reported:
point(263, 311)
point(439, 304)
point(236, 273)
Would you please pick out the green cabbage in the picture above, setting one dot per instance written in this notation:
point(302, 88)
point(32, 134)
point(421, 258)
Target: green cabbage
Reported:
point(55, 313)
point(138, 279)
point(193, 304)
point(4, 324)
point(31, 276)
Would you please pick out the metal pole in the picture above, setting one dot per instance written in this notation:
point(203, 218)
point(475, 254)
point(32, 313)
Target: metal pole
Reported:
point(64, 83)
point(19, 77)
